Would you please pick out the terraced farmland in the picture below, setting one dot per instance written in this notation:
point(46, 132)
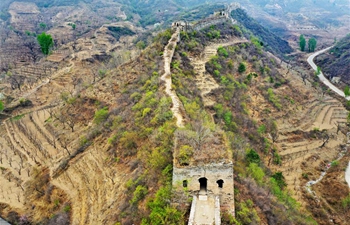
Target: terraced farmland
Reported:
point(310, 140)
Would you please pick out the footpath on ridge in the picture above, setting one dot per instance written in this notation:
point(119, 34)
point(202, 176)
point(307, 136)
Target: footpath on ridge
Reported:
point(168, 55)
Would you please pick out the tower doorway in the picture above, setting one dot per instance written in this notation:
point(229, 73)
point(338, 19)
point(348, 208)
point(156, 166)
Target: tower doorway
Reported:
point(203, 184)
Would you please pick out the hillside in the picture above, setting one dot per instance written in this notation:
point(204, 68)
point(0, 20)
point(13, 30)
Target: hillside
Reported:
point(336, 62)
point(270, 41)
point(94, 132)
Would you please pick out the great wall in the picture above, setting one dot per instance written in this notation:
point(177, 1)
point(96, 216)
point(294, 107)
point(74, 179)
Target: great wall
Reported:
point(210, 185)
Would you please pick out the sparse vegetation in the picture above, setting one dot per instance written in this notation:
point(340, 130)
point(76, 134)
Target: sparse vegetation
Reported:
point(101, 115)
point(96, 119)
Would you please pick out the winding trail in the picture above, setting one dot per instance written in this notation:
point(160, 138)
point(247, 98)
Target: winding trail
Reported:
point(322, 78)
point(166, 77)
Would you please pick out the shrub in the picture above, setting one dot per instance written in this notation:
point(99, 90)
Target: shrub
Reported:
point(67, 208)
point(256, 172)
point(347, 91)
point(101, 115)
point(227, 118)
point(334, 163)
point(139, 193)
point(222, 52)
point(192, 109)
point(258, 44)
point(146, 111)
point(230, 64)
point(1, 106)
point(141, 45)
point(184, 156)
point(219, 110)
point(242, 67)
point(192, 44)
point(237, 30)
point(305, 175)
point(128, 140)
point(277, 159)
point(262, 129)
point(136, 96)
point(213, 34)
point(273, 99)
point(161, 211)
point(252, 157)
point(246, 214)
point(112, 140)
point(217, 73)
point(224, 80)
point(25, 102)
point(282, 196)
point(280, 180)
point(346, 202)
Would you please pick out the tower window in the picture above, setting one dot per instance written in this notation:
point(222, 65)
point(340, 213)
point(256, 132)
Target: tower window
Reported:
point(220, 183)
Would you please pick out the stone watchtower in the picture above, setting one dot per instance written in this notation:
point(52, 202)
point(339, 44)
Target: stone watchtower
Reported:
point(207, 178)
point(182, 25)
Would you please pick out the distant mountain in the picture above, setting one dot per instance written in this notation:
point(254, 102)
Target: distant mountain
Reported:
point(336, 62)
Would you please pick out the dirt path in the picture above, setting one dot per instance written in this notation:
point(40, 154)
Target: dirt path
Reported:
point(205, 82)
point(166, 77)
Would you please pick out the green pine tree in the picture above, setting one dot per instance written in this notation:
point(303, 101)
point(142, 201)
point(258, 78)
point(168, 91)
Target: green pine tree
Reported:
point(302, 42)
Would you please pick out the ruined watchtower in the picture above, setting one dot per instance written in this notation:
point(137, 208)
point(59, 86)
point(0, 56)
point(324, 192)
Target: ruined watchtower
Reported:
point(203, 171)
point(182, 25)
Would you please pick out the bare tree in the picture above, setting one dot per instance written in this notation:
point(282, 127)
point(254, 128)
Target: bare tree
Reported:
point(1, 153)
point(71, 120)
point(64, 143)
point(10, 161)
point(32, 48)
point(18, 196)
point(76, 80)
point(304, 76)
point(15, 80)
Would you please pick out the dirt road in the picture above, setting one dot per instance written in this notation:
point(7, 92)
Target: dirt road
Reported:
point(324, 80)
